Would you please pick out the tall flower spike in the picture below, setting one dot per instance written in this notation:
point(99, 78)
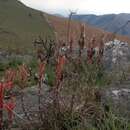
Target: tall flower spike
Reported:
point(90, 52)
point(71, 44)
point(42, 66)
point(1, 104)
point(101, 48)
point(81, 40)
point(59, 68)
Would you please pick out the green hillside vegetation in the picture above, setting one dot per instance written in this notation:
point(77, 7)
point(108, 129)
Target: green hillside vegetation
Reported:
point(20, 25)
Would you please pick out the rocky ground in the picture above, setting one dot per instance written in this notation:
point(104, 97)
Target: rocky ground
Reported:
point(116, 57)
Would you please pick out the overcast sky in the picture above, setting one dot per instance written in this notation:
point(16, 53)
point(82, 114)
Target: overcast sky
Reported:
point(83, 6)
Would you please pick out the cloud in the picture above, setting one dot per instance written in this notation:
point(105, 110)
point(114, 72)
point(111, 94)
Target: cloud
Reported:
point(83, 6)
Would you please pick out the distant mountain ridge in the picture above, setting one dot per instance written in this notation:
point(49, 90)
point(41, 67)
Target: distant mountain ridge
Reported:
point(110, 22)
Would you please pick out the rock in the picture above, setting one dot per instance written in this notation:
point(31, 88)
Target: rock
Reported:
point(118, 96)
point(116, 55)
point(6, 56)
point(31, 101)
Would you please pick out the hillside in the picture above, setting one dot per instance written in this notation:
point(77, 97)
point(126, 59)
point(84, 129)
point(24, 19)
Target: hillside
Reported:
point(60, 27)
point(110, 22)
point(19, 25)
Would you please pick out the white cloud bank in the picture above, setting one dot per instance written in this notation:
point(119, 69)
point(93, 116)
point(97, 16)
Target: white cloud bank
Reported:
point(83, 6)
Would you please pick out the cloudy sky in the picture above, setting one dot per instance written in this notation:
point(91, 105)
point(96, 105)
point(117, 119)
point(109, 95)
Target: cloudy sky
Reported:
point(83, 6)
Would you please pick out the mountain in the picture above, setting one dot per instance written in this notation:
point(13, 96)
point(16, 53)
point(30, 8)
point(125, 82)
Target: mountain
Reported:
point(110, 22)
point(20, 25)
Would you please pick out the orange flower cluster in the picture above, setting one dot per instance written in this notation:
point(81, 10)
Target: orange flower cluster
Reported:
point(10, 75)
point(23, 73)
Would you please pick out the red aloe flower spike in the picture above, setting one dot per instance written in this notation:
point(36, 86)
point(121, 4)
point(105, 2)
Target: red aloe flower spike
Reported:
point(42, 66)
point(9, 78)
point(1, 104)
point(10, 107)
point(90, 52)
point(59, 68)
point(101, 48)
point(23, 73)
point(81, 41)
point(71, 44)
point(10, 75)
point(41, 73)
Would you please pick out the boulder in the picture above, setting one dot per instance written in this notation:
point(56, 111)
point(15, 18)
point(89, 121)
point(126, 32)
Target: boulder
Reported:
point(118, 98)
point(116, 55)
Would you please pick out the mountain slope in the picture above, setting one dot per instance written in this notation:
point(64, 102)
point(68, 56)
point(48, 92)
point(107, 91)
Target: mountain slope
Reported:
point(60, 27)
point(110, 22)
point(19, 25)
